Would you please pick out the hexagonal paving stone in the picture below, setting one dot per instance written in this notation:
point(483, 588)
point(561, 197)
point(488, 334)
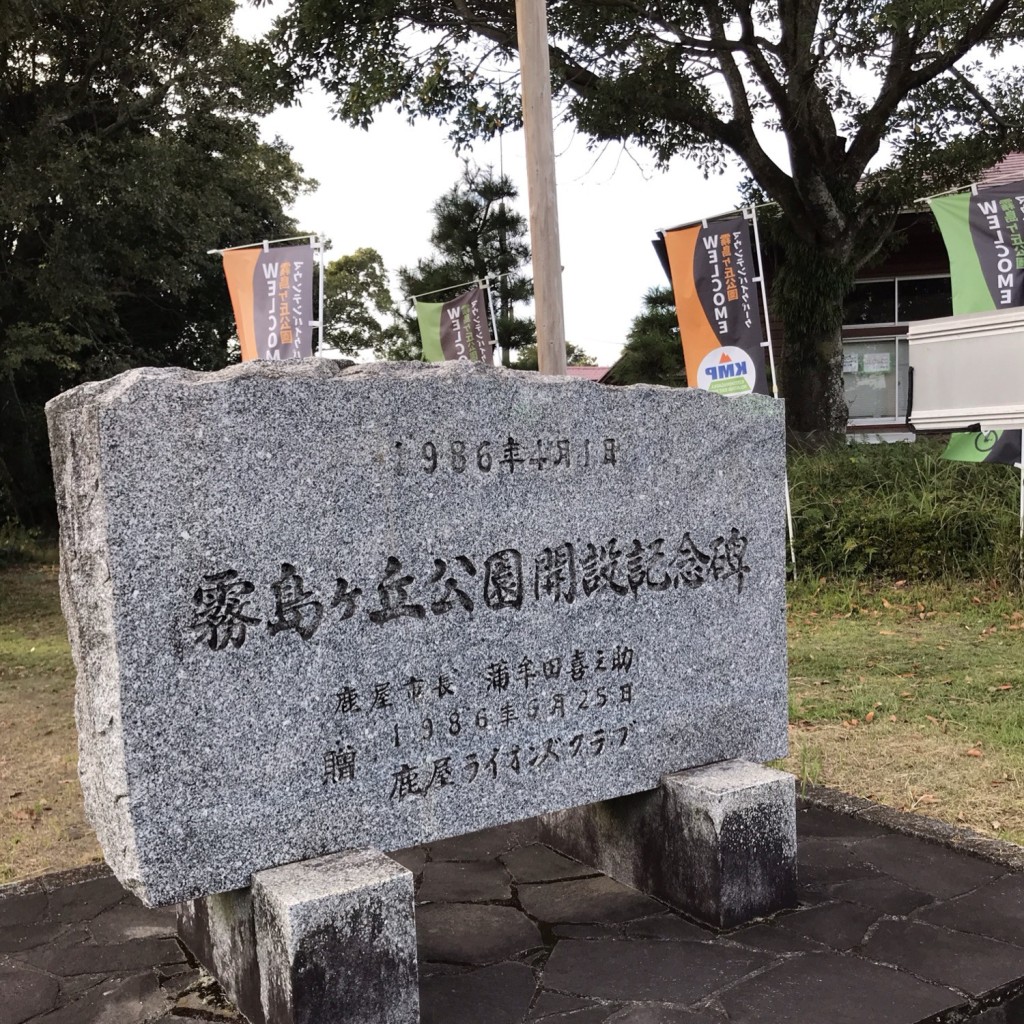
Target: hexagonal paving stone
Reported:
point(538, 863)
point(26, 994)
point(468, 933)
point(927, 866)
point(646, 969)
point(827, 987)
point(491, 995)
point(996, 910)
point(485, 844)
point(464, 882)
point(599, 900)
point(968, 962)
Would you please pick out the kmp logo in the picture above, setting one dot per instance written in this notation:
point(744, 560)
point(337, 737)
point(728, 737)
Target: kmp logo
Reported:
point(727, 371)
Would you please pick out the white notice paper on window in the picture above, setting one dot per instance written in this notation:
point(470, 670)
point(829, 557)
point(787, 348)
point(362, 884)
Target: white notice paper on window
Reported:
point(877, 362)
point(851, 362)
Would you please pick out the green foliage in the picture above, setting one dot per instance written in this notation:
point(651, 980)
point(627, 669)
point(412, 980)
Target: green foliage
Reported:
point(526, 357)
point(130, 146)
point(359, 311)
point(477, 232)
point(899, 511)
point(653, 353)
point(20, 546)
point(842, 80)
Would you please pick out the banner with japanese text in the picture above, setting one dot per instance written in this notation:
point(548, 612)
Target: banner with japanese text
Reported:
point(272, 296)
point(985, 243)
point(1001, 446)
point(456, 329)
point(711, 268)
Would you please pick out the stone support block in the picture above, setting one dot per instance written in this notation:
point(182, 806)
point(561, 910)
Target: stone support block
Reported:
point(717, 842)
point(325, 941)
point(220, 933)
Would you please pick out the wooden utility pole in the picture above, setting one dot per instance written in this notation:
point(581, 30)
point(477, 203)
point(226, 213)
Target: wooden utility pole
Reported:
point(535, 73)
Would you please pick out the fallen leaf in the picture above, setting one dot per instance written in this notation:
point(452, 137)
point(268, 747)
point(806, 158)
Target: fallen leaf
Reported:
point(932, 718)
point(927, 798)
point(906, 693)
point(974, 752)
point(869, 717)
point(997, 825)
point(885, 604)
point(886, 632)
point(892, 718)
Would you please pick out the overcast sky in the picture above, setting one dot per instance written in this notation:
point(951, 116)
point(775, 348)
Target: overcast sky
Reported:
point(376, 189)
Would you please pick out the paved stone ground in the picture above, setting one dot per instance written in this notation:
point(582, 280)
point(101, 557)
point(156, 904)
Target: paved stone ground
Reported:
point(891, 929)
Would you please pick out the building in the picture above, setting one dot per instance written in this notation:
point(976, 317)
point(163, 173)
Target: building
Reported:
point(911, 283)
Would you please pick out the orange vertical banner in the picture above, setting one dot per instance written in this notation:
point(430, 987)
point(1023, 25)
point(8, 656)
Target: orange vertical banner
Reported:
point(239, 267)
point(695, 332)
point(272, 296)
point(710, 265)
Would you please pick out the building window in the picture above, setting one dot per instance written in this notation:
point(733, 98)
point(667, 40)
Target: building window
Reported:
point(923, 298)
point(875, 378)
point(870, 302)
point(897, 300)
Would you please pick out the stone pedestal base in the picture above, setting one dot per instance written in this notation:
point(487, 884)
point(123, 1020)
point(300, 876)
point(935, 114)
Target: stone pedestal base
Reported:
point(325, 941)
point(718, 842)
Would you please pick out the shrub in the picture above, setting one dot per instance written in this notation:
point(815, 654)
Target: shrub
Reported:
point(21, 546)
point(901, 511)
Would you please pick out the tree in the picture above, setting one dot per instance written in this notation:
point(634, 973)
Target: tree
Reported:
point(359, 311)
point(876, 100)
point(477, 232)
point(527, 359)
point(129, 147)
point(652, 353)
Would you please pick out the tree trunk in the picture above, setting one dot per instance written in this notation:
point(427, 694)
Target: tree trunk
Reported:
point(809, 290)
point(812, 362)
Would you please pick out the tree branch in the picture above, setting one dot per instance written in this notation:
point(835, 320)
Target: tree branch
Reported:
point(901, 79)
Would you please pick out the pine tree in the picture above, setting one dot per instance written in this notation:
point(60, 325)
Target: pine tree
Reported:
point(478, 232)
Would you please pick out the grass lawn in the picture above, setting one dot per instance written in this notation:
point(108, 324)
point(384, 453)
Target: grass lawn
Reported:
point(911, 696)
point(42, 824)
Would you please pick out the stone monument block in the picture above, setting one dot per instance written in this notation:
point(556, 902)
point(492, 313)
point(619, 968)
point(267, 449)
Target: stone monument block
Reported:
point(325, 941)
point(717, 842)
point(336, 941)
point(316, 608)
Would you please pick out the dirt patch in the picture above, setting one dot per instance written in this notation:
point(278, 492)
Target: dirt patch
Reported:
point(914, 768)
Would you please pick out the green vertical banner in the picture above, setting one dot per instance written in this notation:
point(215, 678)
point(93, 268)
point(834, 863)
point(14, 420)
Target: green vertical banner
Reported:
point(985, 242)
point(456, 329)
point(1002, 446)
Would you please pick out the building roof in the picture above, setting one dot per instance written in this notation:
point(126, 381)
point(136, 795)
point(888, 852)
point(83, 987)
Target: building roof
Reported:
point(1010, 168)
point(587, 372)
